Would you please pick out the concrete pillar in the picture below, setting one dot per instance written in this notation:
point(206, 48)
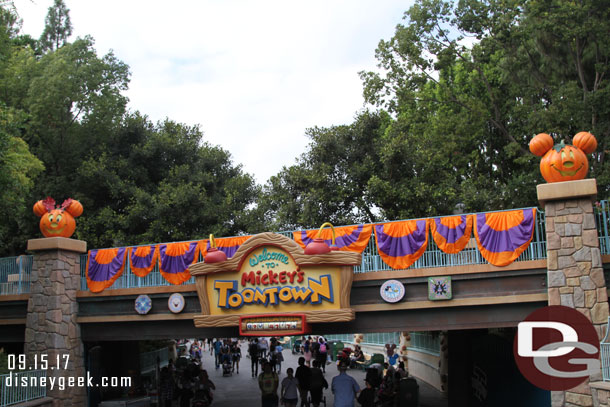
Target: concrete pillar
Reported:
point(574, 265)
point(51, 326)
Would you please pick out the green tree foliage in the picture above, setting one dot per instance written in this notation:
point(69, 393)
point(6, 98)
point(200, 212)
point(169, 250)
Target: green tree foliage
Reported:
point(471, 82)
point(139, 182)
point(58, 27)
point(161, 183)
point(330, 182)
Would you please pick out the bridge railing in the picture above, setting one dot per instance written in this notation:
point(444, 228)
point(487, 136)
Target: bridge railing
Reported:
point(15, 271)
point(13, 392)
point(15, 274)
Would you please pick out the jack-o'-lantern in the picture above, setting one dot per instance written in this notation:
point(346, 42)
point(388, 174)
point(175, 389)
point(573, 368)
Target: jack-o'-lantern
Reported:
point(57, 221)
point(563, 162)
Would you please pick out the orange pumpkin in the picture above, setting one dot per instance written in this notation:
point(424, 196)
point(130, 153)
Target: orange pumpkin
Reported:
point(540, 144)
point(57, 222)
point(564, 163)
point(585, 141)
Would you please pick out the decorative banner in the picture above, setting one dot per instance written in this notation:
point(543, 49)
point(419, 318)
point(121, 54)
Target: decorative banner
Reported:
point(400, 244)
point(104, 266)
point(228, 245)
point(175, 260)
point(270, 276)
point(439, 288)
point(143, 259)
point(347, 238)
point(451, 233)
point(503, 236)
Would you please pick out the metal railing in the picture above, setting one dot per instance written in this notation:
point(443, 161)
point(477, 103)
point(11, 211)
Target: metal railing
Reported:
point(605, 354)
point(15, 276)
point(20, 387)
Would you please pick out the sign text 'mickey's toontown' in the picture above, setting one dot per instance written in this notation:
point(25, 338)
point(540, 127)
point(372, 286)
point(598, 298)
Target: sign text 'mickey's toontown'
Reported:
point(269, 282)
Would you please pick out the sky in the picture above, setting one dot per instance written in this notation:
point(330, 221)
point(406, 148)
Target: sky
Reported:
point(254, 75)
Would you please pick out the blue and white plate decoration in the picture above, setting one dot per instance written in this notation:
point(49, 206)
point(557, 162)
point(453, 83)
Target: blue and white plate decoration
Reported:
point(143, 304)
point(392, 291)
point(175, 303)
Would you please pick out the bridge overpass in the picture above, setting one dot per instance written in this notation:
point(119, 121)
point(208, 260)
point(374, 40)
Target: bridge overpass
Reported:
point(483, 295)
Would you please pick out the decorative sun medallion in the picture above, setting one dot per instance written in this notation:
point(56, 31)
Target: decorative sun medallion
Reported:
point(392, 291)
point(439, 288)
point(176, 303)
point(143, 304)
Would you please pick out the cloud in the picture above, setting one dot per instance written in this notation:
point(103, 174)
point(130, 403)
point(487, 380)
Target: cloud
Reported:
point(254, 75)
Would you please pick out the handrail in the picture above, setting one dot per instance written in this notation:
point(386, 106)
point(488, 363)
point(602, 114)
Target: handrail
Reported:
point(12, 392)
point(19, 282)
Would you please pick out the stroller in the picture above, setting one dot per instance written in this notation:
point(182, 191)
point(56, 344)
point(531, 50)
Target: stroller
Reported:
point(227, 368)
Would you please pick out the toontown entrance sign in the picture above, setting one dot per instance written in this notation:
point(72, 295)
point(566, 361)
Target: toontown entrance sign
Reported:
point(270, 286)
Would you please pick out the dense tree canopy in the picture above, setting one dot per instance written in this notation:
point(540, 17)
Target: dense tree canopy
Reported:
point(461, 89)
point(62, 107)
point(466, 85)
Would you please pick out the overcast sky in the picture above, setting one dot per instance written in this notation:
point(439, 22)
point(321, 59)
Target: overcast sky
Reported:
point(253, 74)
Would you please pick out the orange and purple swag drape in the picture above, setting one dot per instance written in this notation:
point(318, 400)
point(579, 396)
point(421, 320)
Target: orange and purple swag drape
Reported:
point(400, 244)
point(228, 245)
point(104, 266)
point(347, 238)
point(451, 233)
point(176, 259)
point(143, 259)
point(503, 236)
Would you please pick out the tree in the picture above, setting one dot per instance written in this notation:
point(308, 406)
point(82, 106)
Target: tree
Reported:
point(58, 27)
point(330, 182)
point(471, 82)
point(18, 168)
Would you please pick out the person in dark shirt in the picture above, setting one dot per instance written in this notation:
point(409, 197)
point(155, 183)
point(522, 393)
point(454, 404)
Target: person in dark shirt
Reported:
point(317, 384)
point(254, 354)
point(303, 375)
point(367, 396)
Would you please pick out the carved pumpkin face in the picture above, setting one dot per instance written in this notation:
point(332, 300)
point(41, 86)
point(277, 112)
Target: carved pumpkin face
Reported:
point(564, 163)
point(57, 223)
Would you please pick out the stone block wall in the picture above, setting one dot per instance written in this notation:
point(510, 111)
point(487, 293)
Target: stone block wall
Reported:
point(51, 325)
point(576, 278)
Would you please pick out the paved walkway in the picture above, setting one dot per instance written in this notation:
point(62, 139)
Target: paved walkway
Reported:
point(242, 389)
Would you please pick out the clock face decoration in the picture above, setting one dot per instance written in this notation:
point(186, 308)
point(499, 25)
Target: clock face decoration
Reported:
point(392, 291)
point(143, 304)
point(175, 303)
point(439, 288)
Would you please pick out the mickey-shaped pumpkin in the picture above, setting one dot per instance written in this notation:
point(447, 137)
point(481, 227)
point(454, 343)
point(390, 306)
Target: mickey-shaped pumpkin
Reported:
point(561, 162)
point(57, 221)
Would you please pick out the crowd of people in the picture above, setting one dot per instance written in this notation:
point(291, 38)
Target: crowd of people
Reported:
point(304, 385)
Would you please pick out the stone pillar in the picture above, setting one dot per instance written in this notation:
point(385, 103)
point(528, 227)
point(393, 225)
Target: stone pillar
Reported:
point(574, 266)
point(51, 326)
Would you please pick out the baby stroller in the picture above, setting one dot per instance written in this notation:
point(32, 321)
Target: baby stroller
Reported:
point(227, 368)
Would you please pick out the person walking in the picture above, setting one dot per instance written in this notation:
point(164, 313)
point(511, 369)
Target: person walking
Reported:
point(253, 351)
point(217, 352)
point(268, 382)
point(303, 375)
point(317, 384)
point(290, 385)
point(344, 387)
